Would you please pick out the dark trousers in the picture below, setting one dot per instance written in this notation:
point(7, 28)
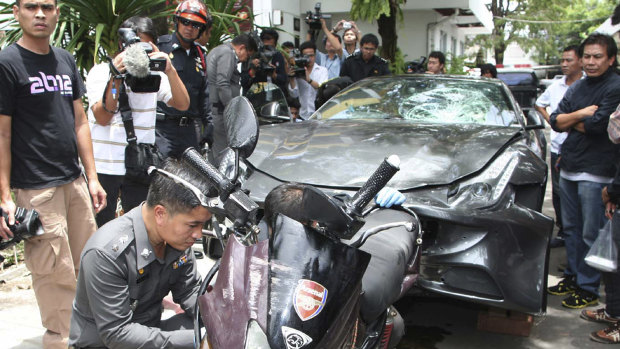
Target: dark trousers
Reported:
point(132, 194)
point(612, 280)
point(555, 192)
point(172, 138)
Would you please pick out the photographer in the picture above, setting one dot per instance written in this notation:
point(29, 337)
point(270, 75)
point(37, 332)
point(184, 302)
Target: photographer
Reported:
point(106, 123)
point(43, 132)
point(350, 36)
point(131, 263)
point(179, 129)
point(270, 63)
point(333, 58)
point(304, 87)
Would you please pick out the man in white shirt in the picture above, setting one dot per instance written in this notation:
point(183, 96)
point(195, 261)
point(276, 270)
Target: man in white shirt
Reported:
point(305, 88)
point(571, 68)
point(106, 124)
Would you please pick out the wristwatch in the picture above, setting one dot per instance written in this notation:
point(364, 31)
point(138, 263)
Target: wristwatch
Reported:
point(310, 81)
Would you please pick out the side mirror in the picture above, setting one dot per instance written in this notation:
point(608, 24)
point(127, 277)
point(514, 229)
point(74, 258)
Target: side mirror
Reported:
point(241, 126)
point(274, 110)
point(270, 110)
point(535, 120)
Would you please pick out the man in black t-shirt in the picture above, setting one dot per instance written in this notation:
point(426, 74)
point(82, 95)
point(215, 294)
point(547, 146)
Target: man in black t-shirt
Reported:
point(43, 130)
point(365, 63)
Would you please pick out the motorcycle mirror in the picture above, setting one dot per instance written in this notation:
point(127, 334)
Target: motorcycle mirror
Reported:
point(241, 126)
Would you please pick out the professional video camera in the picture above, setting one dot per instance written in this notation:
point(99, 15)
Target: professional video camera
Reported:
point(265, 54)
point(140, 67)
point(416, 67)
point(27, 225)
point(301, 62)
point(314, 19)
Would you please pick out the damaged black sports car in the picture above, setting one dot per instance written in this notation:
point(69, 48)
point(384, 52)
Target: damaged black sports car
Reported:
point(472, 168)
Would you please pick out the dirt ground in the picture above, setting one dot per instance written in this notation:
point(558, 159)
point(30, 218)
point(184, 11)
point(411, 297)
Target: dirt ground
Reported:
point(16, 287)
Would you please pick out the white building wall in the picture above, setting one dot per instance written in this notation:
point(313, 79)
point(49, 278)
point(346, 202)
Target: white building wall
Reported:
point(418, 34)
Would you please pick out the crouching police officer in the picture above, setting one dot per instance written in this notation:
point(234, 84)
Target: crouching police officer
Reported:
point(177, 130)
point(130, 264)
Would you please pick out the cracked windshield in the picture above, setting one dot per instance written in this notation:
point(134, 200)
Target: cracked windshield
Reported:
point(423, 100)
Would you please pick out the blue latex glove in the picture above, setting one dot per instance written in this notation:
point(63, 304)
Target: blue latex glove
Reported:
point(388, 197)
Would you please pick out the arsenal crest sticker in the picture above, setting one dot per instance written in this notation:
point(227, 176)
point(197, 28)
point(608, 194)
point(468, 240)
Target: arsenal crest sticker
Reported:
point(309, 299)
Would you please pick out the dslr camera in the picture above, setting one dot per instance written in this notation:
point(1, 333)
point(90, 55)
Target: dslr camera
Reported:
point(314, 19)
point(301, 62)
point(27, 225)
point(139, 76)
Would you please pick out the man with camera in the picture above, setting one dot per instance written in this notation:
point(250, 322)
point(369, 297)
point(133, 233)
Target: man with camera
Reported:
point(224, 83)
point(108, 129)
point(177, 129)
point(303, 84)
point(270, 63)
point(332, 59)
point(43, 131)
point(365, 63)
point(131, 263)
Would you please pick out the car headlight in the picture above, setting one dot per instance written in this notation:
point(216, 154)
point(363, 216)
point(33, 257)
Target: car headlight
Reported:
point(255, 337)
point(486, 188)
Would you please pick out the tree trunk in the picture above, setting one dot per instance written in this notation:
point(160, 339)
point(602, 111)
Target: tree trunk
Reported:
point(499, 53)
point(387, 30)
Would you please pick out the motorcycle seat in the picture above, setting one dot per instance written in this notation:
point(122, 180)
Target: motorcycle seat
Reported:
point(390, 252)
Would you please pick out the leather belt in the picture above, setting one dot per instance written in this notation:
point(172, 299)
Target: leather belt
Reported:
point(180, 120)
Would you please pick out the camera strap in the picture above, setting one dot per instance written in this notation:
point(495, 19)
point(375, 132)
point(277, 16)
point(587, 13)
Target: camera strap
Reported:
point(202, 58)
point(125, 110)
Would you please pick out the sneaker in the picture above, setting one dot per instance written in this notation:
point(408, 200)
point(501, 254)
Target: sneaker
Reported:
point(580, 299)
point(598, 315)
point(556, 242)
point(610, 335)
point(564, 287)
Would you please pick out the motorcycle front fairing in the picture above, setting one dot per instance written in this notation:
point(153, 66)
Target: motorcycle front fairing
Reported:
point(301, 287)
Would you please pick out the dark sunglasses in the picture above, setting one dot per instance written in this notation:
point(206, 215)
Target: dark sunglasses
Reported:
point(187, 22)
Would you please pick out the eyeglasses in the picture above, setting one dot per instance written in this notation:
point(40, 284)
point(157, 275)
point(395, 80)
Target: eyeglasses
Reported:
point(204, 201)
point(186, 22)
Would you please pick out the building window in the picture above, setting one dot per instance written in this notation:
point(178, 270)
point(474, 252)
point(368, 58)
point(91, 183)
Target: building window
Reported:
point(462, 51)
point(454, 47)
point(443, 41)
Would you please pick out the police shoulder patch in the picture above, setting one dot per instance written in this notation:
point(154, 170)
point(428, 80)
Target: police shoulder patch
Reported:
point(118, 244)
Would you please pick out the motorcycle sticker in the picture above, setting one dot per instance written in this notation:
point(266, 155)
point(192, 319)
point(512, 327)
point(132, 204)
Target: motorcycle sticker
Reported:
point(295, 339)
point(309, 299)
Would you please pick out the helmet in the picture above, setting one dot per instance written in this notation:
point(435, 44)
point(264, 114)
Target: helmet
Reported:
point(193, 10)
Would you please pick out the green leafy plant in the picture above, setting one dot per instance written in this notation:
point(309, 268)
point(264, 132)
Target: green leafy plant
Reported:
point(88, 29)
point(455, 64)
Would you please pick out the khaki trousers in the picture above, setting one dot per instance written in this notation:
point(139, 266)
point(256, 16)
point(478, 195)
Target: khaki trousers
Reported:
point(67, 215)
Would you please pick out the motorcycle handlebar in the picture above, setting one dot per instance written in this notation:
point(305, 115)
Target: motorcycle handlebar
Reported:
point(386, 170)
point(193, 158)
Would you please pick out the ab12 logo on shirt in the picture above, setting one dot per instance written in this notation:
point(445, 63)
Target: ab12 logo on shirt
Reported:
point(51, 83)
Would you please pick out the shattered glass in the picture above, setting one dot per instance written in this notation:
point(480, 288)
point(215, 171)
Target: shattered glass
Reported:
point(422, 99)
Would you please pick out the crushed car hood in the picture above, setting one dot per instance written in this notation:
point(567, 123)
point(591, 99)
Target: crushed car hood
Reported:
point(344, 153)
